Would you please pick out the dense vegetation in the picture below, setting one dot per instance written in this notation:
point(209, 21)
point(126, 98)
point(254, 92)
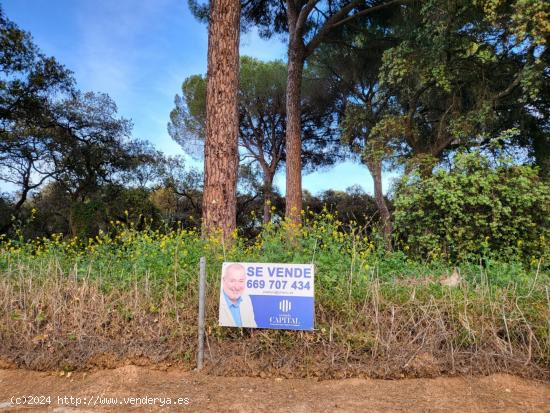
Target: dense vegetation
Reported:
point(132, 294)
point(447, 272)
point(473, 209)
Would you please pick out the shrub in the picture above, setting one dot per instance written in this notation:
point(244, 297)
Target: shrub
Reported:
point(130, 294)
point(474, 207)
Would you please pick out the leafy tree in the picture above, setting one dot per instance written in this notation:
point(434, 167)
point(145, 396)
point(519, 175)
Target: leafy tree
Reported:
point(90, 150)
point(262, 120)
point(187, 124)
point(474, 207)
point(85, 149)
point(90, 144)
point(353, 204)
point(307, 24)
point(30, 82)
point(465, 72)
point(179, 197)
point(51, 132)
point(262, 127)
point(412, 88)
point(351, 58)
point(145, 167)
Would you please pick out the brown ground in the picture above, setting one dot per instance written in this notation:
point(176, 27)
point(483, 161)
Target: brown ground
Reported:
point(497, 393)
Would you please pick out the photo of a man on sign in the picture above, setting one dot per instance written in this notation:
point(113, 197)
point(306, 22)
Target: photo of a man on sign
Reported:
point(235, 305)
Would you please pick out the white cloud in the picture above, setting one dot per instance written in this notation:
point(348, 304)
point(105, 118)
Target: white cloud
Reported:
point(111, 52)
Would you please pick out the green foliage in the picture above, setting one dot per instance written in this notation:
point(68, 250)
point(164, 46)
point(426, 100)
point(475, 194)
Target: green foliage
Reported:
point(94, 215)
point(50, 132)
point(84, 216)
point(474, 209)
point(188, 119)
point(525, 18)
point(351, 205)
point(464, 71)
point(150, 278)
point(30, 83)
point(262, 113)
point(347, 259)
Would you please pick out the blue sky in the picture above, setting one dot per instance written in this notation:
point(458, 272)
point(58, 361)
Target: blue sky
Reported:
point(139, 52)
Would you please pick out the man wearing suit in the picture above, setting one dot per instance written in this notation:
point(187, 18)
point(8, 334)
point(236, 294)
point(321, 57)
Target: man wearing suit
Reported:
point(235, 306)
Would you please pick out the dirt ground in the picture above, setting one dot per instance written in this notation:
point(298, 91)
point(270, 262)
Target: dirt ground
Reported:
point(141, 389)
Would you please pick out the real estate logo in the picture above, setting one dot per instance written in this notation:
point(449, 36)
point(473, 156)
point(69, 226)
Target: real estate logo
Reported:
point(285, 306)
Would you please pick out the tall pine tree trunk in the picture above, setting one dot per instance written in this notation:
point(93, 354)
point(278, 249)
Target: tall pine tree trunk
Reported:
point(220, 152)
point(296, 56)
point(375, 168)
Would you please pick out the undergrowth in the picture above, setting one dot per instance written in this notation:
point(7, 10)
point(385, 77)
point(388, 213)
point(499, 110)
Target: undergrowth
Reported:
point(132, 295)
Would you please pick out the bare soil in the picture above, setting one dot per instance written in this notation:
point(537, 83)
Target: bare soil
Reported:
point(199, 392)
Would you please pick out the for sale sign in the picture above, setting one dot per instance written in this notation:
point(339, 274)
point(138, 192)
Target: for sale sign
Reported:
point(269, 295)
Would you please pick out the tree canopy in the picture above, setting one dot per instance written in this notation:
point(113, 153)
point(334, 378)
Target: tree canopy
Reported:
point(262, 119)
point(434, 90)
point(51, 132)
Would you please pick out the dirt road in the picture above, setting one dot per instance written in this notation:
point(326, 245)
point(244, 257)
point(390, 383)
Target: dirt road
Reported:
point(140, 389)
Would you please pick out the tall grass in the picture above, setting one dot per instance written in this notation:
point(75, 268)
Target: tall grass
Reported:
point(131, 294)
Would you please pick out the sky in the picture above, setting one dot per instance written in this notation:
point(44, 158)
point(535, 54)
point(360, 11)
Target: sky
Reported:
point(139, 52)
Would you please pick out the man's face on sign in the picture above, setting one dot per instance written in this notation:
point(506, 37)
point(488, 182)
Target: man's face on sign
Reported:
point(234, 282)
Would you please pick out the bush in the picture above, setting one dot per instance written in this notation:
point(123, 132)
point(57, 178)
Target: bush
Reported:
point(473, 208)
point(131, 294)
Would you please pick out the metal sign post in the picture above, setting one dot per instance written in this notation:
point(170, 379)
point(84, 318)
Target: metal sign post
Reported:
point(202, 290)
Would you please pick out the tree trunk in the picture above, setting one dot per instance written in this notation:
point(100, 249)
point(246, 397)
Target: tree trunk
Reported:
point(375, 168)
point(293, 129)
point(220, 152)
point(268, 195)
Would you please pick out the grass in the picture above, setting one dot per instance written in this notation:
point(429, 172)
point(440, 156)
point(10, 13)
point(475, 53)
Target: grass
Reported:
point(131, 294)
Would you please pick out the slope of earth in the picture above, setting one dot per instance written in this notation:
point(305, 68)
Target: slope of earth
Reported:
point(140, 389)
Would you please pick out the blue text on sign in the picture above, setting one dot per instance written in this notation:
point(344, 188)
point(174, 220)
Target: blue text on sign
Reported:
point(279, 272)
